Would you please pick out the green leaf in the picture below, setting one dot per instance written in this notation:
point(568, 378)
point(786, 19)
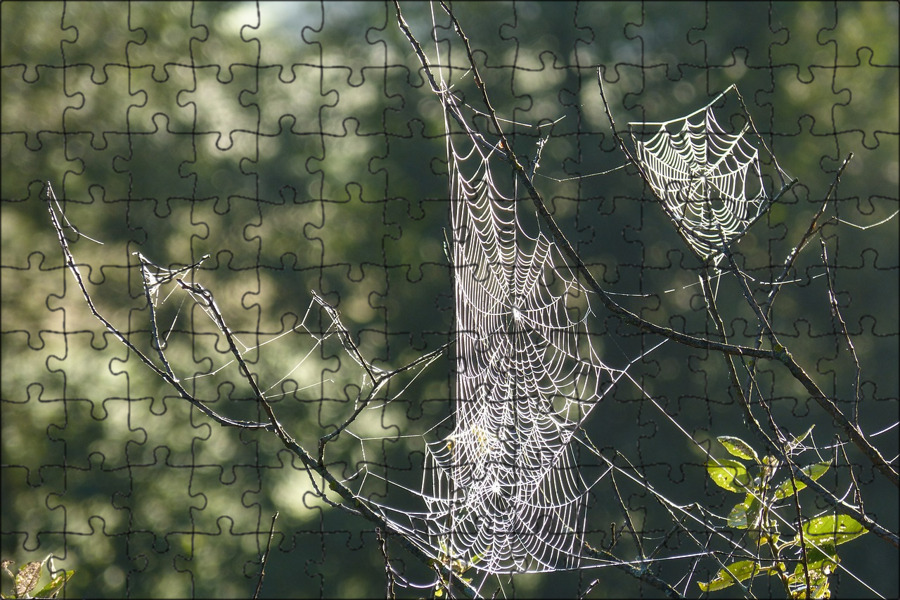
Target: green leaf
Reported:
point(831, 530)
point(795, 443)
point(786, 489)
point(738, 447)
point(742, 569)
point(824, 558)
point(823, 554)
point(744, 514)
point(818, 583)
point(728, 474)
point(52, 589)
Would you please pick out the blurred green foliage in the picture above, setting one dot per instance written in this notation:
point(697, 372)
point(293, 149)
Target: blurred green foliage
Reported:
point(299, 145)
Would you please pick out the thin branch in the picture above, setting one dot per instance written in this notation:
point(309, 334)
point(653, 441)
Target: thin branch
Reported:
point(167, 376)
point(836, 313)
point(388, 569)
point(560, 238)
point(627, 518)
point(265, 560)
point(345, 335)
point(804, 239)
point(206, 296)
point(355, 504)
point(796, 498)
point(779, 352)
point(756, 428)
point(362, 403)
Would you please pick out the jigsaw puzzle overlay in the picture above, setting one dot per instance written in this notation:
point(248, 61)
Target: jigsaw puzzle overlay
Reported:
point(268, 188)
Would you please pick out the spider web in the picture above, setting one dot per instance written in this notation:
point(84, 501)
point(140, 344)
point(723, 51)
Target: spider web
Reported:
point(709, 177)
point(506, 492)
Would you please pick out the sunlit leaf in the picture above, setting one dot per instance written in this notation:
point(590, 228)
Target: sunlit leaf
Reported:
point(799, 440)
point(52, 589)
point(822, 557)
point(786, 488)
point(818, 583)
point(832, 530)
point(738, 447)
point(728, 474)
point(744, 514)
point(740, 570)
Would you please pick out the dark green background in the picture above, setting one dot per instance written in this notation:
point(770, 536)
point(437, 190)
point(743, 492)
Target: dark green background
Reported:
point(297, 144)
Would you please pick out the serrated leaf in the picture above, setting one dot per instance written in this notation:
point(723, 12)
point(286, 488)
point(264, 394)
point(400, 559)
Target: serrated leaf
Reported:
point(742, 569)
point(832, 530)
point(27, 578)
point(728, 474)
point(52, 589)
point(786, 488)
point(738, 447)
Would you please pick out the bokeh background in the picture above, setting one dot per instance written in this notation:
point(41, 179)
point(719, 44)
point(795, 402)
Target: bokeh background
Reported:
point(299, 146)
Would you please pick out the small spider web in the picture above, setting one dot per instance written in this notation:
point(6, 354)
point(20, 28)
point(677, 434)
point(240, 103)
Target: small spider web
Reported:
point(709, 176)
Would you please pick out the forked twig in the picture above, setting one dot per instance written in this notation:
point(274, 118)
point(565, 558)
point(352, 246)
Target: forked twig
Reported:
point(388, 569)
point(352, 503)
point(166, 374)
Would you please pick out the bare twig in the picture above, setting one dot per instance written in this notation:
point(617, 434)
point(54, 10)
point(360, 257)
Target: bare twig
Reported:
point(813, 228)
point(363, 402)
point(388, 569)
point(779, 352)
point(558, 236)
point(352, 503)
point(265, 559)
point(784, 356)
point(776, 447)
point(166, 375)
point(836, 313)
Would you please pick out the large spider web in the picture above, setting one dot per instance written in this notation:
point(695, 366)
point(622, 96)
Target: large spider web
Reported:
point(708, 176)
point(506, 491)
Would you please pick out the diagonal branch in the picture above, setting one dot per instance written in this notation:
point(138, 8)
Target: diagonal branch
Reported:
point(167, 375)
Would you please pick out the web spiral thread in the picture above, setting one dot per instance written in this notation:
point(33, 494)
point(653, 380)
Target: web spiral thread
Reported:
point(507, 494)
point(709, 179)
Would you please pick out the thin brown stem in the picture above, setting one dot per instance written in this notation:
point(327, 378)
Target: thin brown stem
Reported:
point(265, 560)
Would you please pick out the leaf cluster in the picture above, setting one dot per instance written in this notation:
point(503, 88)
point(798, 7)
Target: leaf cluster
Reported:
point(816, 541)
